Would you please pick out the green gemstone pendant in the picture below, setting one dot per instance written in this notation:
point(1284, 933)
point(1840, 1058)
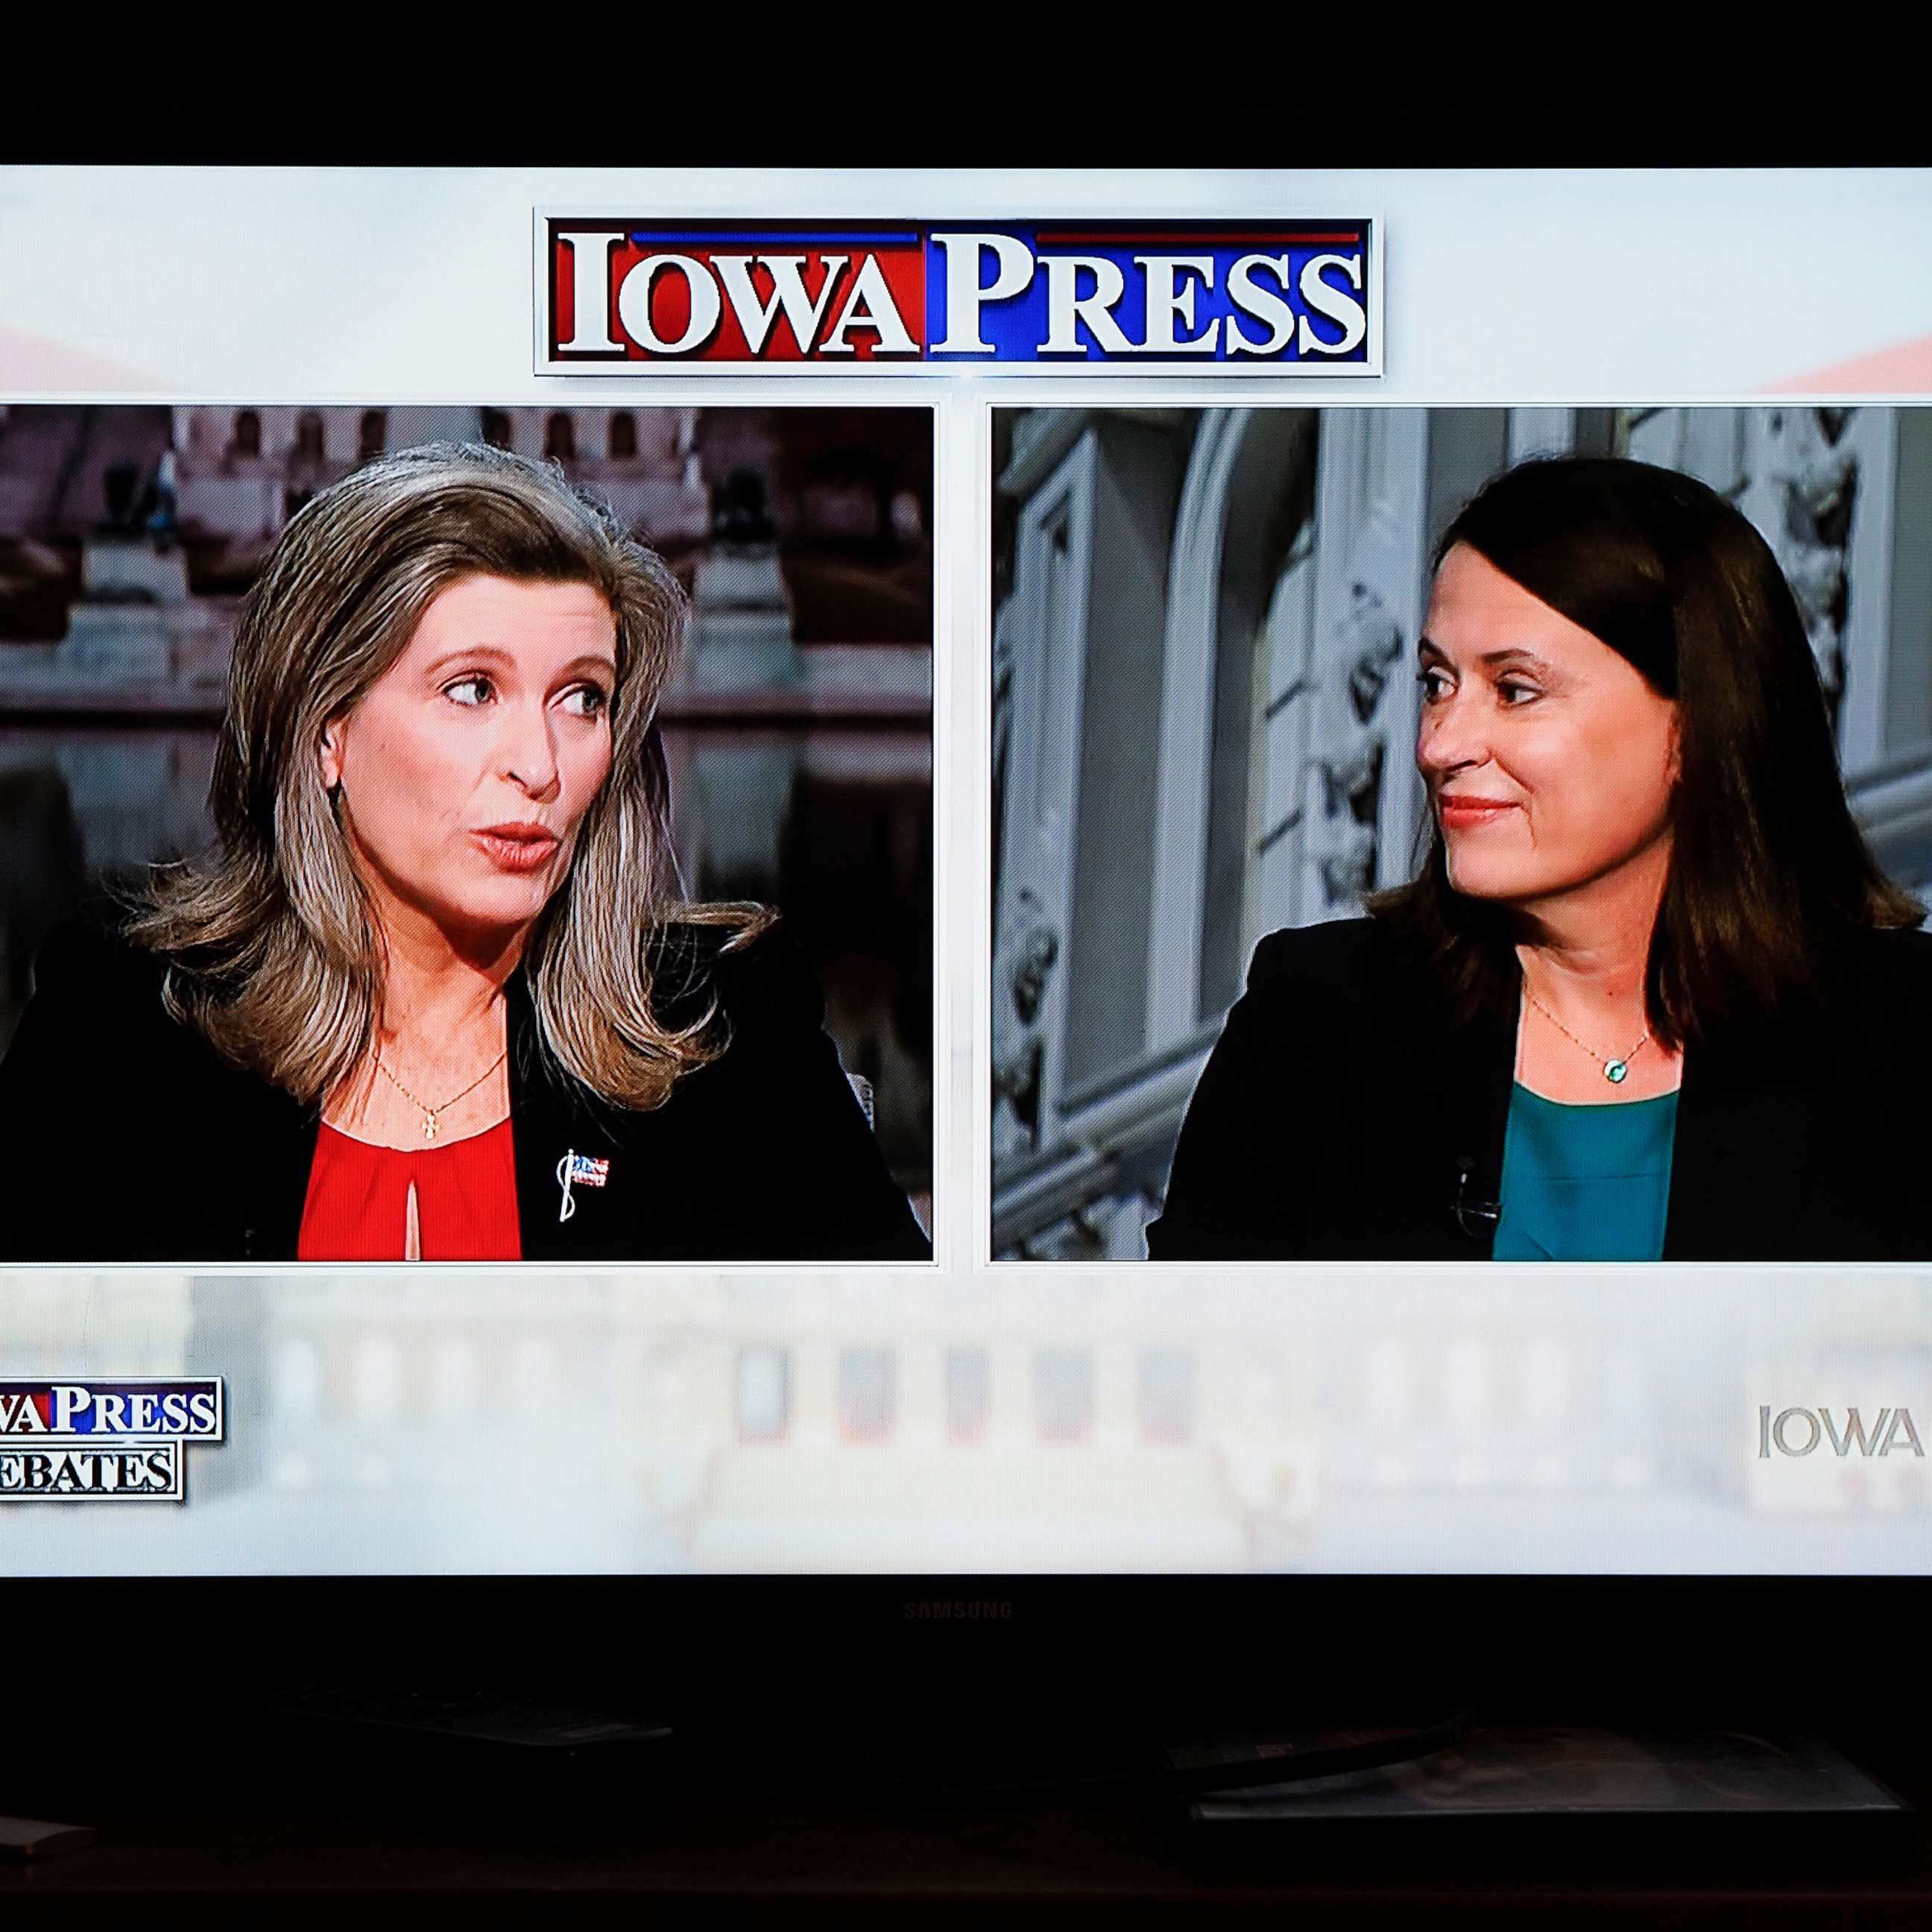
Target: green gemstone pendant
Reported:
point(1615, 1070)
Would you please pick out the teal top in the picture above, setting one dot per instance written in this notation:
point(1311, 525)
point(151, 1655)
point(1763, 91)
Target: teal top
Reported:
point(1584, 1184)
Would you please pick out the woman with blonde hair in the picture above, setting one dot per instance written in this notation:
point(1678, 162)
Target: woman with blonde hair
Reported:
point(434, 995)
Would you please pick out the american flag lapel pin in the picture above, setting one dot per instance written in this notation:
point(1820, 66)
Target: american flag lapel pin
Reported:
point(578, 1170)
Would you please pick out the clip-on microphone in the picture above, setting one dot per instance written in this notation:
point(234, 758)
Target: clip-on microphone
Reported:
point(1466, 1211)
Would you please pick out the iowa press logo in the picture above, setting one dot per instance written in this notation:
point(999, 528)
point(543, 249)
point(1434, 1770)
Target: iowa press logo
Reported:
point(623, 296)
point(123, 1440)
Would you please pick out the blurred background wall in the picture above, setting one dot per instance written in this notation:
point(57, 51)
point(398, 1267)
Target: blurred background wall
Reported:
point(1042, 1420)
point(798, 734)
point(1205, 622)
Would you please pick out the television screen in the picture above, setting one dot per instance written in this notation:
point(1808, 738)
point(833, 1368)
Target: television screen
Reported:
point(964, 873)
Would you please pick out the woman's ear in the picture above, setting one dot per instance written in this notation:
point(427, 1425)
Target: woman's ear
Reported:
point(331, 755)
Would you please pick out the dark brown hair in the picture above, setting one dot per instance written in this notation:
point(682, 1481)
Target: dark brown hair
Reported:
point(1769, 871)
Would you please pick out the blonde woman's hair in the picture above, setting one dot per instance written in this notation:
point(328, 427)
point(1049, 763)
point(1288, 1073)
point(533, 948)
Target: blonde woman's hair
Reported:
point(271, 946)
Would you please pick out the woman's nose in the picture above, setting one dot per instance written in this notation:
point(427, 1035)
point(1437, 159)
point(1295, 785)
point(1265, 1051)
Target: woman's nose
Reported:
point(1450, 737)
point(530, 756)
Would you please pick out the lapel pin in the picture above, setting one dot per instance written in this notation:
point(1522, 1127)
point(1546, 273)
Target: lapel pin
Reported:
point(578, 1169)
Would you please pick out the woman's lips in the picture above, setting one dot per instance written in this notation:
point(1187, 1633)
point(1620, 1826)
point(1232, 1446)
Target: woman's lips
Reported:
point(517, 848)
point(1459, 813)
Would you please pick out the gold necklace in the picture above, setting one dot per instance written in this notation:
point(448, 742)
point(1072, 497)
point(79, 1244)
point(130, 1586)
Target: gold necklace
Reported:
point(429, 1113)
point(1615, 1071)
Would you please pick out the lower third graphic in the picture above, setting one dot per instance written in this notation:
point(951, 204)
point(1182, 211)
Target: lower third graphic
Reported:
point(120, 1441)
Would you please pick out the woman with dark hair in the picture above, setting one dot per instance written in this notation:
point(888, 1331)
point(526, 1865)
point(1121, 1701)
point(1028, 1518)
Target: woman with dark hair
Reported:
point(435, 994)
point(1650, 996)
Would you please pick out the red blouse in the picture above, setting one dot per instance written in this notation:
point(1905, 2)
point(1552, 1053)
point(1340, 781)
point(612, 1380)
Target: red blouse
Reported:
point(357, 1207)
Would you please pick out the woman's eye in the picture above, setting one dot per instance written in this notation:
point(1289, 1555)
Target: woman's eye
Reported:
point(1434, 684)
point(587, 700)
point(1513, 694)
point(468, 690)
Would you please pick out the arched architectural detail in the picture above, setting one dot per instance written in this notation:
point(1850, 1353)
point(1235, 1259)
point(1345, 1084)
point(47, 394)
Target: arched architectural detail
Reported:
point(1248, 489)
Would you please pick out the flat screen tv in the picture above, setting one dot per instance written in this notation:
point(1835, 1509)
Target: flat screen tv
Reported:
point(880, 925)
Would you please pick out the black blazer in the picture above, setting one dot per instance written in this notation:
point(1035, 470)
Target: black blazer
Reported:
point(124, 1137)
point(1344, 1112)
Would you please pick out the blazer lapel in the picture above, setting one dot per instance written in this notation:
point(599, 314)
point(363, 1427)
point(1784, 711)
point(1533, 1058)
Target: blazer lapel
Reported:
point(273, 1152)
point(1740, 1164)
point(1436, 1118)
point(576, 1187)
point(1477, 1068)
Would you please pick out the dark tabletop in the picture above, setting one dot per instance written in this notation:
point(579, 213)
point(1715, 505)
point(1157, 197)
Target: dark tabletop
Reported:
point(256, 1843)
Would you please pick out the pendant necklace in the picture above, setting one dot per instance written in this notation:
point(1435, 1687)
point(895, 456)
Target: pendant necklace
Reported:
point(429, 1113)
point(1614, 1070)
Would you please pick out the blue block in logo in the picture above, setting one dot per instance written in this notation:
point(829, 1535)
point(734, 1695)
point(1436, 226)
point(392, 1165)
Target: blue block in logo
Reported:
point(1139, 295)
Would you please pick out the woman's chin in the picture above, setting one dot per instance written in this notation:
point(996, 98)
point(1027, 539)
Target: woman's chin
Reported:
point(1503, 884)
point(499, 908)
